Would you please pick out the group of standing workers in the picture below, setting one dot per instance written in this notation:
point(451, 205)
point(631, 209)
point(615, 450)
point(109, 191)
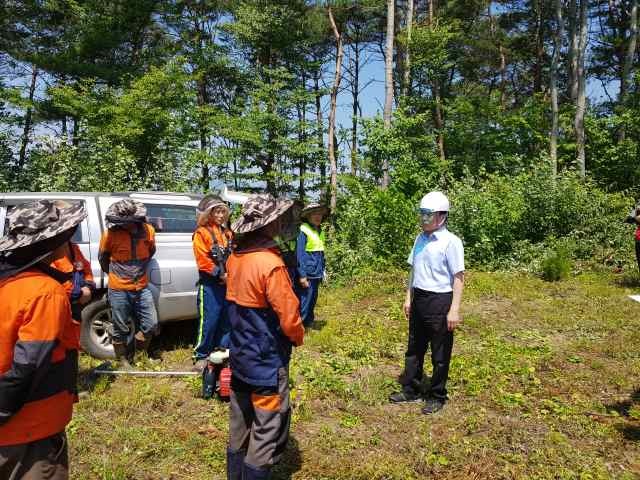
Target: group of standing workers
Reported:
point(250, 301)
point(213, 243)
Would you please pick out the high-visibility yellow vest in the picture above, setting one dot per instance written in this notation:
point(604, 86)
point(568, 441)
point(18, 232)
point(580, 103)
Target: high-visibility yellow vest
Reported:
point(315, 240)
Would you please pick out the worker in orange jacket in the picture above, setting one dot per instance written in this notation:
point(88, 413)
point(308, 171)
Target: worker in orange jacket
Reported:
point(265, 325)
point(38, 341)
point(126, 248)
point(79, 284)
point(211, 248)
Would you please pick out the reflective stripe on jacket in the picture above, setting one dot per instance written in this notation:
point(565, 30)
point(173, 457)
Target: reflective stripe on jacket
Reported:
point(202, 244)
point(127, 255)
point(264, 314)
point(38, 358)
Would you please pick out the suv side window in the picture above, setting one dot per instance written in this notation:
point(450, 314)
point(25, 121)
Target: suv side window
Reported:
point(81, 234)
point(171, 218)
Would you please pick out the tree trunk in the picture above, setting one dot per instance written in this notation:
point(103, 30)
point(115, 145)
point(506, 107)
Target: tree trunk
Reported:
point(235, 173)
point(629, 58)
point(355, 93)
point(388, 82)
point(537, 69)
point(406, 83)
point(75, 139)
point(438, 118)
point(333, 163)
point(503, 77)
point(581, 101)
point(26, 130)
point(573, 50)
point(320, 132)
point(202, 101)
point(302, 138)
point(502, 57)
point(553, 143)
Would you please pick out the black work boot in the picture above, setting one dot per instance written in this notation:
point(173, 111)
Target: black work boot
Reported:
point(120, 349)
point(142, 348)
point(404, 397)
point(432, 405)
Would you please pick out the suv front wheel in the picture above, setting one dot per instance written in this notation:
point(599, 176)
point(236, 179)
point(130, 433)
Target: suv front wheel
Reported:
point(96, 329)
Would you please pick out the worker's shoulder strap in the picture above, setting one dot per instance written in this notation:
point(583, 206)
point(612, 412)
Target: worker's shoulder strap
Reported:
point(54, 273)
point(214, 240)
point(136, 237)
point(226, 233)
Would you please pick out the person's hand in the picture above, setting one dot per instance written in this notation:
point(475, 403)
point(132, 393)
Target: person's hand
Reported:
point(85, 296)
point(304, 282)
point(223, 278)
point(407, 308)
point(453, 320)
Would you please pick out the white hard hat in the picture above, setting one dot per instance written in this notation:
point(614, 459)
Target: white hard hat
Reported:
point(435, 201)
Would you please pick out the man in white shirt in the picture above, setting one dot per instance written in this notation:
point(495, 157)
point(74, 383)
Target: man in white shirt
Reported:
point(432, 303)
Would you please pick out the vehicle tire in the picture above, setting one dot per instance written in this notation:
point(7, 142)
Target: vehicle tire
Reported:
point(96, 329)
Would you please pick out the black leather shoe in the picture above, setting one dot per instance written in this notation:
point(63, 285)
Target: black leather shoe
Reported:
point(432, 405)
point(404, 397)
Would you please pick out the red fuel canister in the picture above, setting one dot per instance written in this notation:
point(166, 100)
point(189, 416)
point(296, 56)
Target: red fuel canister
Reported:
point(225, 383)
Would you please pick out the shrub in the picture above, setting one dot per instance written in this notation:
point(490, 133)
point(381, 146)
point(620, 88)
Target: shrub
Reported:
point(556, 266)
point(504, 222)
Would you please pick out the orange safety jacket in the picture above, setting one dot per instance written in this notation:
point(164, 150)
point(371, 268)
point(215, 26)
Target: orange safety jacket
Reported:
point(125, 255)
point(66, 265)
point(264, 313)
point(38, 358)
point(203, 241)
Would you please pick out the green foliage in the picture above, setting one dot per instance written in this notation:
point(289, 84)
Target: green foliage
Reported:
point(374, 228)
point(129, 140)
point(406, 146)
point(556, 266)
point(504, 222)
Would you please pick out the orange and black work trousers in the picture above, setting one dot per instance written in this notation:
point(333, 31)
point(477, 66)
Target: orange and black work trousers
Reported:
point(45, 459)
point(258, 427)
point(428, 327)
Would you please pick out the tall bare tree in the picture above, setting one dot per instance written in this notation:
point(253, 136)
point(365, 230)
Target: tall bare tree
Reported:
point(574, 33)
point(26, 128)
point(438, 118)
point(388, 82)
point(502, 54)
point(629, 60)
point(333, 162)
point(406, 81)
point(581, 99)
point(555, 60)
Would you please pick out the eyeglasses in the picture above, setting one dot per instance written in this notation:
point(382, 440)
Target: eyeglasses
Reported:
point(426, 215)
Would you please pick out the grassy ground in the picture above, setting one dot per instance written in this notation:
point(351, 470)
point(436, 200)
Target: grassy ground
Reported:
point(544, 384)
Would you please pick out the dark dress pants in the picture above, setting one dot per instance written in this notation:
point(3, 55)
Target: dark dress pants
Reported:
point(428, 327)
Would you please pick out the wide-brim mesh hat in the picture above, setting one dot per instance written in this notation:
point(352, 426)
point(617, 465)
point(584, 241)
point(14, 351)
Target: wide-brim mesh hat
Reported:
point(209, 202)
point(41, 220)
point(125, 211)
point(313, 208)
point(36, 229)
point(260, 210)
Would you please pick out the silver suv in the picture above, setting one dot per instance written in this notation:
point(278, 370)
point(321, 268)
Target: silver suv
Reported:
point(172, 271)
